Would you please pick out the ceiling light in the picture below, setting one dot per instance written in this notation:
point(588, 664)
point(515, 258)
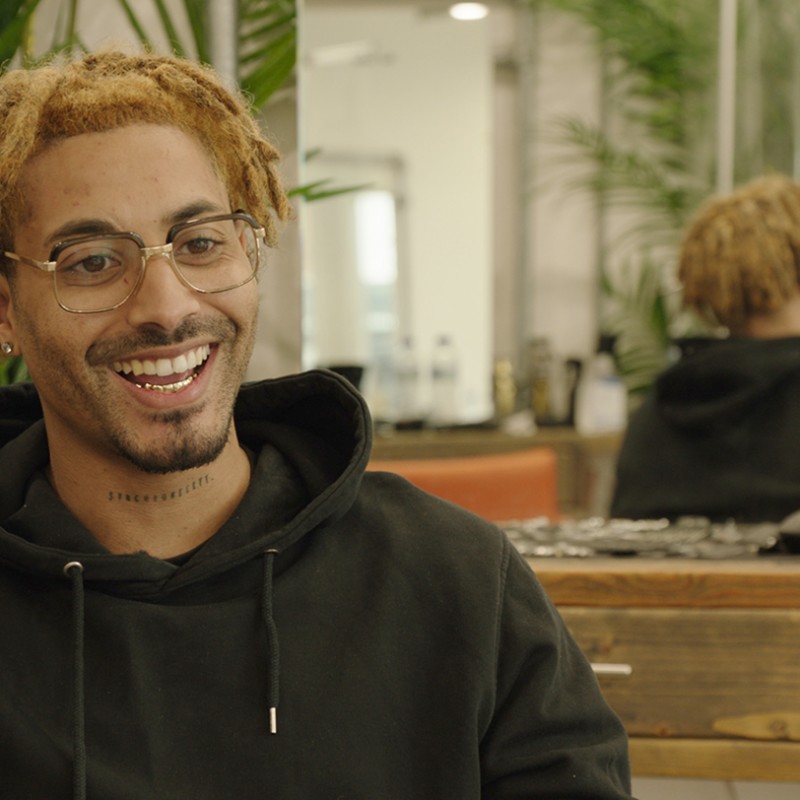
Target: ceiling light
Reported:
point(469, 11)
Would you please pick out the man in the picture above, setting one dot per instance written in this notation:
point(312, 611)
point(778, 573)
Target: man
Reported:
point(180, 559)
point(716, 435)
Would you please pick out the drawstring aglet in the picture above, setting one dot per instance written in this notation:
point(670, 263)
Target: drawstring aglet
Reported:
point(272, 640)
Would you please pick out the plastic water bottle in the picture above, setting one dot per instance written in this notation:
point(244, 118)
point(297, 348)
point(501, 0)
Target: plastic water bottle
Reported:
point(444, 383)
point(406, 384)
point(602, 401)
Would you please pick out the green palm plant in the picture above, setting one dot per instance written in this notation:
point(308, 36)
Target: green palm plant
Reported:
point(15, 22)
point(640, 323)
point(15, 16)
point(16, 38)
point(267, 41)
point(267, 38)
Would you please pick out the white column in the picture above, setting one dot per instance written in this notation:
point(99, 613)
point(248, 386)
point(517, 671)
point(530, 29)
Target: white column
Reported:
point(223, 23)
point(726, 95)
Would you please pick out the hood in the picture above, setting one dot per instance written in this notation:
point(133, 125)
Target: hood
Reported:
point(715, 385)
point(310, 436)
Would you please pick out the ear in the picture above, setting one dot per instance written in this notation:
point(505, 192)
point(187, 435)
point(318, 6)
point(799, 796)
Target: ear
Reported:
point(7, 328)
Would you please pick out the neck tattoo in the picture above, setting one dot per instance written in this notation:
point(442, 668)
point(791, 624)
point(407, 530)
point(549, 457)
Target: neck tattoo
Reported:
point(160, 497)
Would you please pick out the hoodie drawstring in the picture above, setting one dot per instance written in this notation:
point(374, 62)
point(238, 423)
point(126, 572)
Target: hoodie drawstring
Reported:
point(273, 675)
point(74, 571)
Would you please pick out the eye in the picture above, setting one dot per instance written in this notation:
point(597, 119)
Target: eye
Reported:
point(91, 262)
point(203, 244)
point(198, 245)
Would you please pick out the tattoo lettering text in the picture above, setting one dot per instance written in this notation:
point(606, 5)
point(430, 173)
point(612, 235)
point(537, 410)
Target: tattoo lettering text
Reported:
point(159, 497)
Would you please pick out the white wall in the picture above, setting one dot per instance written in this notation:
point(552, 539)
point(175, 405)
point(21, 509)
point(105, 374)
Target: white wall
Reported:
point(561, 227)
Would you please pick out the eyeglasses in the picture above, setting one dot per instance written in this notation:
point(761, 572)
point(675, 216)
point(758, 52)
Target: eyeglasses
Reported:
point(99, 273)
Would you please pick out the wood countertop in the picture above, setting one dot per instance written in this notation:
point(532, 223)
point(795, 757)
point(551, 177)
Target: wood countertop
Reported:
point(759, 582)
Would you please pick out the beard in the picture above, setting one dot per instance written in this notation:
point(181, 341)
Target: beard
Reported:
point(184, 444)
point(183, 447)
point(72, 372)
point(186, 438)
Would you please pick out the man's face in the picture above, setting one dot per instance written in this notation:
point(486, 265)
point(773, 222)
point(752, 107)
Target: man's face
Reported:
point(145, 179)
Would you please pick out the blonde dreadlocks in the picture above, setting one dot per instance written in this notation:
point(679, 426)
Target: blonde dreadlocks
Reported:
point(741, 252)
point(109, 90)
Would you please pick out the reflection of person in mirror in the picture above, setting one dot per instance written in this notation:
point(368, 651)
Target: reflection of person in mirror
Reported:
point(204, 594)
point(717, 435)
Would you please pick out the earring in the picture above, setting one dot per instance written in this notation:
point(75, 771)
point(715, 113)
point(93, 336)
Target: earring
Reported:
point(7, 348)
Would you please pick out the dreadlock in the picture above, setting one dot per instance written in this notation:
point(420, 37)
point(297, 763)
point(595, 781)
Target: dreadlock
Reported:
point(110, 89)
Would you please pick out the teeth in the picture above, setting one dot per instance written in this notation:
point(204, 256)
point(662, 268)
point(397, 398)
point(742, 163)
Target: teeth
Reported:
point(165, 366)
point(167, 388)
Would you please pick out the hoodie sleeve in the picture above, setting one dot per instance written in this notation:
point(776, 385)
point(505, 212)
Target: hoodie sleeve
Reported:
point(552, 735)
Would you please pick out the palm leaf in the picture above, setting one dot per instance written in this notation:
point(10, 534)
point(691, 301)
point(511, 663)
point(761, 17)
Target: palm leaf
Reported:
point(267, 47)
point(322, 190)
point(13, 370)
point(196, 14)
point(639, 323)
point(15, 17)
point(170, 29)
point(141, 33)
point(267, 41)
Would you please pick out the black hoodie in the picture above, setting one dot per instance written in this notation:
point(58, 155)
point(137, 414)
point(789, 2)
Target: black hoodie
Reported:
point(718, 436)
point(408, 649)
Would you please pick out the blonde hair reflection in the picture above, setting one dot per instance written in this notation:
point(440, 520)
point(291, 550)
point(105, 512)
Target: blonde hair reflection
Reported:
point(739, 256)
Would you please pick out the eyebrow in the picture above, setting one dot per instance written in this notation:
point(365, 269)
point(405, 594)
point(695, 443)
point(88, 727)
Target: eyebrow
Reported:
point(97, 226)
point(81, 227)
point(194, 210)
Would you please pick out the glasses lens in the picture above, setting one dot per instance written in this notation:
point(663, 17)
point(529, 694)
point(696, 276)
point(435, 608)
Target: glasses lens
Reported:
point(96, 273)
point(217, 254)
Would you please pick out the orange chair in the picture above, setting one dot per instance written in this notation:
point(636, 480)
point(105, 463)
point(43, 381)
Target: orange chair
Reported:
point(500, 487)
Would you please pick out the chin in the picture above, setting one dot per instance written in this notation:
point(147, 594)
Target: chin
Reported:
point(178, 453)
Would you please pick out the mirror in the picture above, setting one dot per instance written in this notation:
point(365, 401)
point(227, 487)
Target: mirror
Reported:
point(396, 99)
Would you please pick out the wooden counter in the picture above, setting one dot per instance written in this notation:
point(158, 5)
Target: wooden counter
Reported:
point(713, 649)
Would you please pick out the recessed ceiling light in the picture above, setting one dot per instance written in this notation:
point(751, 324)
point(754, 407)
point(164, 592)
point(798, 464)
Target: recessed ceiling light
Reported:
point(468, 11)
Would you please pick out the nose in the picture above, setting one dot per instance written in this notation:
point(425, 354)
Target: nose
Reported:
point(162, 298)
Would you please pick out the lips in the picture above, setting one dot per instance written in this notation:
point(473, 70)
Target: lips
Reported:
point(164, 374)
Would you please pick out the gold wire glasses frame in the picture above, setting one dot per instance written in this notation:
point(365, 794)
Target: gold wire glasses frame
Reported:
point(100, 272)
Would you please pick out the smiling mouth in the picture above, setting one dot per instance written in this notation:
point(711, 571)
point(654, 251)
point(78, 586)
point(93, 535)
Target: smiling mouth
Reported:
point(166, 375)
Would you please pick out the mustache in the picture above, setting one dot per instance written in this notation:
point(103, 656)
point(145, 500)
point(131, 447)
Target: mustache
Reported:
point(110, 350)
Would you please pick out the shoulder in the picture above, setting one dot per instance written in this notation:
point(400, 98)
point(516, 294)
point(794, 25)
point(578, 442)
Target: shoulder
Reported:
point(394, 499)
point(414, 525)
